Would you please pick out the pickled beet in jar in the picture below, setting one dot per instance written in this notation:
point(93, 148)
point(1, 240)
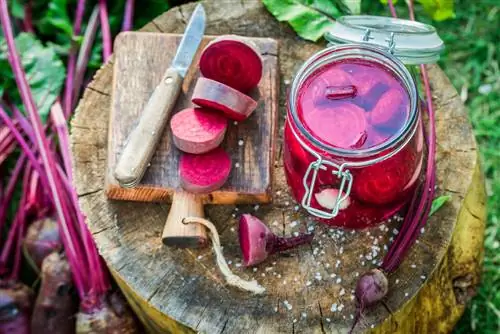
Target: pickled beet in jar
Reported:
point(353, 140)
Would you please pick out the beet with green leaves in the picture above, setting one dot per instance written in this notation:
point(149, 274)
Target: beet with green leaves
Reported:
point(257, 241)
point(16, 302)
point(56, 304)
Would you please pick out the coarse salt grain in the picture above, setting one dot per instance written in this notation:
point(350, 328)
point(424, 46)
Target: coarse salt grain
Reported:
point(240, 142)
point(342, 292)
point(334, 307)
point(397, 281)
point(338, 280)
point(327, 319)
point(287, 305)
point(287, 203)
point(268, 268)
point(229, 262)
point(413, 266)
point(294, 320)
point(263, 275)
point(422, 230)
point(351, 316)
point(254, 270)
point(237, 165)
point(308, 283)
point(256, 207)
point(296, 234)
point(232, 229)
point(341, 307)
point(275, 309)
point(278, 193)
point(304, 315)
point(238, 265)
point(406, 294)
point(296, 208)
point(422, 277)
point(294, 223)
point(356, 274)
point(235, 123)
point(200, 257)
point(395, 232)
point(333, 275)
point(279, 275)
point(275, 223)
point(363, 263)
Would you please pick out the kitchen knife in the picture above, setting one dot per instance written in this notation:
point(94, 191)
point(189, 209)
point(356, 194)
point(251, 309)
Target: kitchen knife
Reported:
point(143, 140)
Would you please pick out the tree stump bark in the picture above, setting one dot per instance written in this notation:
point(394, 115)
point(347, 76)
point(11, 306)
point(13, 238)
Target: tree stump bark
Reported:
point(181, 291)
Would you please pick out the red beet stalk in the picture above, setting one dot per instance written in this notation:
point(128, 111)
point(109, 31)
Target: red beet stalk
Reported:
point(106, 32)
point(68, 86)
point(129, 15)
point(372, 287)
point(257, 241)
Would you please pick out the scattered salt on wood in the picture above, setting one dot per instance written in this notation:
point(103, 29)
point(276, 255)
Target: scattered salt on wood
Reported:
point(413, 265)
point(308, 283)
point(397, 281)
point(406, 294)
point(342, 292)
point(287, 305)
point(338, 280)
point(254, 269)
point(240, 142)
point(256, 207)
point(275, 309)
point(334, 307)
point(237, 165)
point(423, 277)
point(294, 223)
point(304, 315)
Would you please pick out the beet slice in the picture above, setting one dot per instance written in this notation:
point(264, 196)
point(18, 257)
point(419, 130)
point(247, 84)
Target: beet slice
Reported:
point(233, 61)
point(203, 173)
point(197, 130)
point(389, 108)
point(342, 125)
point(215, 95)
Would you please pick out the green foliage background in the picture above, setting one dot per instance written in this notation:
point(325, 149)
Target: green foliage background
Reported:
point(471, 60)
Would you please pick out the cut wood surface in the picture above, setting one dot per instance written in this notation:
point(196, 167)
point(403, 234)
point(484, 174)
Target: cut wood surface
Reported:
point(181, 291)
point(139, 63)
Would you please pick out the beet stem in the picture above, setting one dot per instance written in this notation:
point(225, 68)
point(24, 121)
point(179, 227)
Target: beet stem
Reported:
point(68, 85)
point(282, 243)
point(16, 172)
point(106, 33)
point(84, 53)
point(128, 16)
point(340, 92)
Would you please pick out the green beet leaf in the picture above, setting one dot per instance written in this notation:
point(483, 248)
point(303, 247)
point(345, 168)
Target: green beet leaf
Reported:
point(438, 202)
point(310, 19)
point(44, 71)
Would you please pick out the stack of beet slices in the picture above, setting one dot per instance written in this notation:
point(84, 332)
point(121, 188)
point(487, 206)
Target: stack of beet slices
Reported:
point(231, 67)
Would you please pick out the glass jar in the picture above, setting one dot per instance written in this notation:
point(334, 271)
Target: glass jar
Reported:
point(353, 137)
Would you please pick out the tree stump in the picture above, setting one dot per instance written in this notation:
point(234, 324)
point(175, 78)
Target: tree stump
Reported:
point(181, 291)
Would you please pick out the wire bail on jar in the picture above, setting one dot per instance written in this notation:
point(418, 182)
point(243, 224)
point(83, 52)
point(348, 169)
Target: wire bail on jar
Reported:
point(340, 171)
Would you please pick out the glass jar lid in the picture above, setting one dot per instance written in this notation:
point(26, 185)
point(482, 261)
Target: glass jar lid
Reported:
point(410, 41)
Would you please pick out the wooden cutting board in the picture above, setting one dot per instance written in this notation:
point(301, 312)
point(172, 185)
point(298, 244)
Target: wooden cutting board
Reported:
point(139, 62)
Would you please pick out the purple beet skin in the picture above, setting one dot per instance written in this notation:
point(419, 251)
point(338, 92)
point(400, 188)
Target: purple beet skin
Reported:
point(257, 241)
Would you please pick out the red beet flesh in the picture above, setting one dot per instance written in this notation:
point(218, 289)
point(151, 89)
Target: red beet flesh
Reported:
point(198, 130)
point(233, 61)
point(111, 316)
point(257, 241)
point(56, 304)
point(42, 238)
point(343, 127)
point(16, 303)
point(215, 95)
point(203, 173)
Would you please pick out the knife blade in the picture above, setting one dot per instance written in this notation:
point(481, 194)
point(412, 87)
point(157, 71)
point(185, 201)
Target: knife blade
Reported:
point(143, 140)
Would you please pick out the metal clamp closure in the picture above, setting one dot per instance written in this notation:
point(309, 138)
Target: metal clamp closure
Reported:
point(343, 192)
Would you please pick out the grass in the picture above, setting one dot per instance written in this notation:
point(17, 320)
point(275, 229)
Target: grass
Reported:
point(471, 61)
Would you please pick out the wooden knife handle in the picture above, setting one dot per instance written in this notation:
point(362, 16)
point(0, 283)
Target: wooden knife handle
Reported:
point(143, 140)
point(175, 233)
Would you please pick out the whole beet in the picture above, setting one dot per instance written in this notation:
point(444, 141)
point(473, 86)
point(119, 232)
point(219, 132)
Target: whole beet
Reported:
point(42, 238)
point(56, 304)
point(112, 316)
point(372, 287)
point(16, 302)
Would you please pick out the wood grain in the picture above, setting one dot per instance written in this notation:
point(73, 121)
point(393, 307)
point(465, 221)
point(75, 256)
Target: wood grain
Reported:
point(139, 63)
point(181, 291)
